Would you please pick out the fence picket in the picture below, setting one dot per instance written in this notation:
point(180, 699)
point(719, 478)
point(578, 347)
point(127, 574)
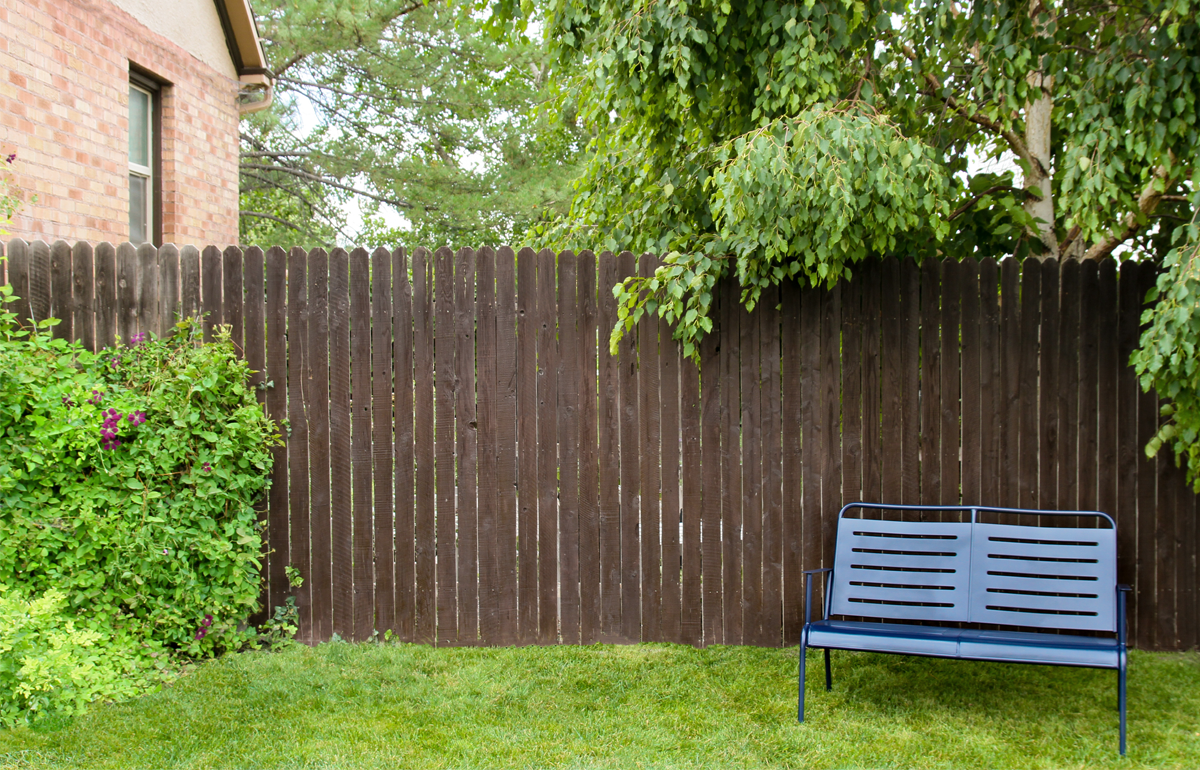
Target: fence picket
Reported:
point(569, 397)
point(589, 459)
point(506, 437)
point(443, 341)
point(340, 447)
point(382, 388)
point(321, 514)
point(83, 291)
point(404, 553)
point(466, 447)
point(61, 305)
point(299, 402)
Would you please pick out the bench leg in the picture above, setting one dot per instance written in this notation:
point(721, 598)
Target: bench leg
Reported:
point(828, 673)
point(800, 702)
point(1121, 702)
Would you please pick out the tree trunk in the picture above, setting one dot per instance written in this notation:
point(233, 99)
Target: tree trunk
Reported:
point(1037, 140)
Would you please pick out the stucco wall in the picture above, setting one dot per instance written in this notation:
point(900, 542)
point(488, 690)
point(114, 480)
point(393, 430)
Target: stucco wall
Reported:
point(191, 24)
point(64, 77)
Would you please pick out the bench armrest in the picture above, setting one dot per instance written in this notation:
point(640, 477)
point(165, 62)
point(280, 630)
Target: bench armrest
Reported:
point(808, 578)
point(1122, 590)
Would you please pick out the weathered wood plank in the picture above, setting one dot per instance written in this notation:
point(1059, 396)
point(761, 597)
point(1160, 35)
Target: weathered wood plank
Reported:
point(83, 291)
point(489, 492)
point(950, 390)
point(972, 360)
point(210, 286)
point(812, 462)
point(447, 564)
point(277, 501)
point(340, 445)
point(793, 459)
point(256, 351)
point(910, 482)
point(1089, 381)
point(1108, 364)
point(106, 290)
point(1009, 407)
point(1031, 322)
point(148, 293)
point(668, 384)
point(382, 419)
point(1146, 587)
point(361, 445)
point(871, 275)
point(989, 382)
point(127, 290)
point(1069, 352)
point(1128, 451)
point(506, 437)
point(710, 427)
point(168, 287)
point(1048, 384)
point(62, 305)
point(40, 300)
point(772, 454)
point(892, 388)
point(320, 512)
point(569, 377)
point(931, 381)
point(231, 293)
point(18, 278)
point(189, 286)
point(631, 622)
point(527, 440)
point(649, 427)
point(299, 552)
point(609, 435)
point(751, 474)
point(731, 460)
point(830, 408)
point(405, 549)
point(466, 444)
point(695, 472)
point(589, 459)
point(547, 455)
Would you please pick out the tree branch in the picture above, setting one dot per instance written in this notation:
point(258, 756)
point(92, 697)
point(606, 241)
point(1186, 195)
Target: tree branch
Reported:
point(1134, 220)
point(323, 180)
point(967, 206)
point(284, 222)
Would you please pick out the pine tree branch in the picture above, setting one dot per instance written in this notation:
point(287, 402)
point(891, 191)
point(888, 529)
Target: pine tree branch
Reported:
point(325, 180)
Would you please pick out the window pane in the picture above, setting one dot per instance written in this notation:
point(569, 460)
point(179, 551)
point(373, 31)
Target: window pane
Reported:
point(138, 199)
point(139, 127)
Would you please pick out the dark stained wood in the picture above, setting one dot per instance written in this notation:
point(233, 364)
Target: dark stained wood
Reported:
point(168, 288)
point(1128, 450)
point(210, 286)
point(340, 445)
point(1108, 365)
point(1166, 533)
point(830, 408)
point(506, 437)
point(466, 436)
point(83, 299)
point(404, 582)
point(106, 292)
point(1048, 384)
point(931, 381)
point(710, 428)
point(731, 460)
point(950, 390)
point(791, 413)
point(872, 448)
point(256, 353)
point(547, 455)
point(1068, 387)
point(127, 289)
point(148, 293)
point(40, 301)
point(668, 384)
point(361, 445)
point(489, 491)
point(630, 487)
point(752, 481)
point(320, 513)
point(694, 473)
point(1089, 381)
point(189, 285)
point(1147, 407)
point(277, 500)
point(1027, 388)
point(1188, 623)
point(1009, 406)
point(812, 461)
point(527, 440)
point(231, 293)
point(892, 389)
point(382, 419)
point(61, 305)
point(18, 278)
point(569, 377)
point(772, 454)
point(649, 426)
point(589, 458)
point(989, 382)
point(910, 489)
point(609, 437)
point(447, 564)
point(972, 360)
point(298, 404)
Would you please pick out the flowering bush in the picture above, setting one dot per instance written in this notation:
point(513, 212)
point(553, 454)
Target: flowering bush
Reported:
point(127, 482)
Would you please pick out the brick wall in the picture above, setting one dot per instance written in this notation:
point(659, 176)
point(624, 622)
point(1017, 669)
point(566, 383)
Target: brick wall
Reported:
point(64, 105)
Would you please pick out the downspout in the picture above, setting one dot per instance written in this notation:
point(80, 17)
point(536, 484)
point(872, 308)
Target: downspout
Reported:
point(255, 93)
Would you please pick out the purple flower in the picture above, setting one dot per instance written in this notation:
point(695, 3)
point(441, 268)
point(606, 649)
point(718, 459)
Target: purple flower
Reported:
point(136, 418)
point(136, 340)
point(201, 633)
point(165, 552)
point(207, 467)
point(96, 398)
point(11, 157)
point(207, 621)
point(67, 401)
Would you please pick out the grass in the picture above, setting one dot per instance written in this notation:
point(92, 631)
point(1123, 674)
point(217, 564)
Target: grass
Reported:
point(403, 706)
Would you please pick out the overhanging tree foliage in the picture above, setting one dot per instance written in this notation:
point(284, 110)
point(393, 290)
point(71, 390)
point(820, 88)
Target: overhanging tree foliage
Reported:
point(414, 111)
point(780, 139)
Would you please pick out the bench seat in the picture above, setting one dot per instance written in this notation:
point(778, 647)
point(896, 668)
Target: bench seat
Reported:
point(966, 644)
point(958, 582)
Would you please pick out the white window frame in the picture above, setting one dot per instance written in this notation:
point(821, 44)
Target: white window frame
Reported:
point(136, 169)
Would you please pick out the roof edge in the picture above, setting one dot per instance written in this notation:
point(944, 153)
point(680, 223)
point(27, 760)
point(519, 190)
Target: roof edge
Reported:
point(241, 36)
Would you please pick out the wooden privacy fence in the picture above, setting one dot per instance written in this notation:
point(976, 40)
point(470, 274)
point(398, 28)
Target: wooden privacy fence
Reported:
point(467, 465)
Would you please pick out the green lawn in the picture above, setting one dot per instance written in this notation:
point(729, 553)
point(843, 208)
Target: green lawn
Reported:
point(403, 706)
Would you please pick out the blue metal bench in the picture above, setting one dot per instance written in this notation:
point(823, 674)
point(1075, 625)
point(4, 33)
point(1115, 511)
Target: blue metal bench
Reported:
point(962, 570)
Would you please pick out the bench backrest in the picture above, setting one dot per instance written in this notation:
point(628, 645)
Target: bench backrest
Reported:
point(1061, 577)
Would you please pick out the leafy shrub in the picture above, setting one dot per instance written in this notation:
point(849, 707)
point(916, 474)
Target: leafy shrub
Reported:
point(50, 664)
point(127, 483)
